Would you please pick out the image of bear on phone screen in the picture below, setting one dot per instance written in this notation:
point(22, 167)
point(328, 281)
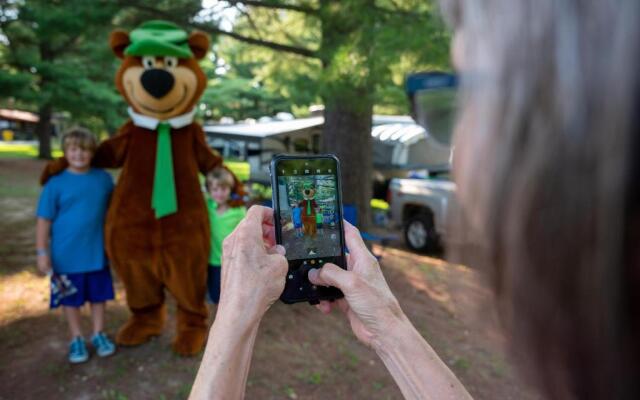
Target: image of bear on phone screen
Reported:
point(308, 215)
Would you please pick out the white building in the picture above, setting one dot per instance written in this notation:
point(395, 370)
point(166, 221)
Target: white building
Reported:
point(399, 143)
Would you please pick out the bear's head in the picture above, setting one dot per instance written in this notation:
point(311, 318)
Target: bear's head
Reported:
point(308, 191)
point(159, 75)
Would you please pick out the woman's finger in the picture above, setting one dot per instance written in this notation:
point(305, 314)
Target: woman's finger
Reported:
point(342, 305)
point(277, 249)
point(269, 234)
point(324, 306)
point(253, 222)
point(355, 244)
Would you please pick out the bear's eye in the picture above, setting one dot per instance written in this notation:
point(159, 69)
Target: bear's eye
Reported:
point(148, 62)
point(170, 62)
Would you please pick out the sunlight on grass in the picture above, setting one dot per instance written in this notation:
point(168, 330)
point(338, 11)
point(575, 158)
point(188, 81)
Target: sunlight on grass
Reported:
point(240, 168)
point(23, 150)
point(21, 295)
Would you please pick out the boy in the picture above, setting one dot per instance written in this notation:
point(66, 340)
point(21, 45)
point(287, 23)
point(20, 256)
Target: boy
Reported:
point(69, 241)
point(296, 216)
point(223, 220)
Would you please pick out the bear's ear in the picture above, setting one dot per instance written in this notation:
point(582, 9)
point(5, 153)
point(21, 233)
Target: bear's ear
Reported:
point(199, 44)
point(118, 41)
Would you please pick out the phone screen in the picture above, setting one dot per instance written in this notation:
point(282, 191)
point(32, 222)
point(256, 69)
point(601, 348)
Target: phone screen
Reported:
point(309, 210)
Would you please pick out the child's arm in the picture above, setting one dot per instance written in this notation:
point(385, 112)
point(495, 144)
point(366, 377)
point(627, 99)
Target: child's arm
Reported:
point(43, 229)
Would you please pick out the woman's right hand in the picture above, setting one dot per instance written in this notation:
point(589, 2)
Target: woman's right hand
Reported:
point(44, 263)
point(368, 302)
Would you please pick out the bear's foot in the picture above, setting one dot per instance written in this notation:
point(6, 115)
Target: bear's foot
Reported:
point(141, 327)
point(190, 341)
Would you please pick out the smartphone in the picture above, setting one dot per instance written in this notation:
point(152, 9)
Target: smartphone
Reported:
point(307, 203)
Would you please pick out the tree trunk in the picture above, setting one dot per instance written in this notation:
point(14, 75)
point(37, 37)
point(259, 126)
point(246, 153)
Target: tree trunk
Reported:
point(43, 131)
point(347, 134)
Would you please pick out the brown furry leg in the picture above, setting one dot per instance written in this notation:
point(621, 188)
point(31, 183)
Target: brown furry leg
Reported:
point(142, 326)
point(185, 276)
point(191, 335)
point(145, 292)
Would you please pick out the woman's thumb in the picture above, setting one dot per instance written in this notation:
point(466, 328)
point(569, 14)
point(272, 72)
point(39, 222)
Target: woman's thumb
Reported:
point(330, 275)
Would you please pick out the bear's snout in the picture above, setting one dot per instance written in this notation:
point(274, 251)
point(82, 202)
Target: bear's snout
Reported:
point(157, 82)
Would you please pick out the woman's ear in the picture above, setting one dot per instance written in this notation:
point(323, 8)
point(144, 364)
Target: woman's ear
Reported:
point(199, 44)
point(118, 41)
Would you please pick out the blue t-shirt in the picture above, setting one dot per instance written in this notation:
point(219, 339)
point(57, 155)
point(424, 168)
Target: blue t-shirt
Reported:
point(76, 204)
point(297, 215)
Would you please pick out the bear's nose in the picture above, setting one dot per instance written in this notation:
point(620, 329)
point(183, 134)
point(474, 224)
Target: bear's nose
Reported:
point(157, 82)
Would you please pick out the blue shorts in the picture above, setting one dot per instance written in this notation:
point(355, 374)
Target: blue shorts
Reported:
point(94, 287)
point(297, 225)
point(213, 283)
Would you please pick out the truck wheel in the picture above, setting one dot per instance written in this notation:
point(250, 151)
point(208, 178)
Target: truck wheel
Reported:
point(420, 234)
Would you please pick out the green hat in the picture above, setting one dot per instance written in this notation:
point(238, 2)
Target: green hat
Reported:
point(159, 38)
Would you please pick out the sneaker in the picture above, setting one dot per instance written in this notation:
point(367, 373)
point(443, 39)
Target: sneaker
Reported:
point(104, 346)
point(78, 351)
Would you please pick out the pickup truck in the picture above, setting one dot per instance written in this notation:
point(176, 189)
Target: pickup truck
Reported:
point(423, 209)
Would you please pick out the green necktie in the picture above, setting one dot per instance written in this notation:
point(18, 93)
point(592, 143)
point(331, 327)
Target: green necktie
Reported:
point(163, 199)
point(308, 207)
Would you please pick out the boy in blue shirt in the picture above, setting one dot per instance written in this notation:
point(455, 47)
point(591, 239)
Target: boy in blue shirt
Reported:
point(69, 240)
point(296, 216)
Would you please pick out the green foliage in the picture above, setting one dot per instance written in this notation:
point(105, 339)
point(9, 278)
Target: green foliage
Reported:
point(240, 98)
point(55, 54)
point(363, 52)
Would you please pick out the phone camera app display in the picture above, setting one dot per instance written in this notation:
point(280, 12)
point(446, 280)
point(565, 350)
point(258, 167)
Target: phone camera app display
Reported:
point(309, 214)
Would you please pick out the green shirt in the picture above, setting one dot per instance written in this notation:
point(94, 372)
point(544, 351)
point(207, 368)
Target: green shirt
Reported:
point(221, 227)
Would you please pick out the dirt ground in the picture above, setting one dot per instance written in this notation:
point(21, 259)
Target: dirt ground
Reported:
point(299, 354)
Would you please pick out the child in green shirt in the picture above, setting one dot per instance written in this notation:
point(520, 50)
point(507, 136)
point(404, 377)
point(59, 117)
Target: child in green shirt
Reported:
point(223, 219)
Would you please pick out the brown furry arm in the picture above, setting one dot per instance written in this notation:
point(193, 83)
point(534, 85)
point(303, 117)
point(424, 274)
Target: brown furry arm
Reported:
point(209, 159)
point(112, 152)
point(53, 167)
point(206, 157)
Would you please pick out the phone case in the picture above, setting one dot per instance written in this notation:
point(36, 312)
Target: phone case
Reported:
point(297, 286)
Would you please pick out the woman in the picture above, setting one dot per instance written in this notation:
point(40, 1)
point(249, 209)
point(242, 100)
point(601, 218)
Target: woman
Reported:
point(547, 177)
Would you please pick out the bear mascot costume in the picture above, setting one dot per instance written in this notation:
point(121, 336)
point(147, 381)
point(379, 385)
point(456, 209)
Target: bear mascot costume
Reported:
point(157, 229)
point(309, 206)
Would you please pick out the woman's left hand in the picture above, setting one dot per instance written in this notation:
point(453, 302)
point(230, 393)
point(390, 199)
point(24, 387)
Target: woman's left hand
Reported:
point(253, 267)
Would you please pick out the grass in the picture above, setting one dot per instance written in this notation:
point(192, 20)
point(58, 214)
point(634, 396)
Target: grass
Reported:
point(299, 354)
point(461, 364)
point(113, 395)
point(23, 150)
point(240, 168)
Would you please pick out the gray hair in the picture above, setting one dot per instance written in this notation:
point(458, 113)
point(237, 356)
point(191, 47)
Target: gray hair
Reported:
point(546, 166)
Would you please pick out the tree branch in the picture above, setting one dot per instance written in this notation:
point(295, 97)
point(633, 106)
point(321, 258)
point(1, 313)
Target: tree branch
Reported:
point(275, 5)
point(251, 22)
point(214, 30)
point(259, 42)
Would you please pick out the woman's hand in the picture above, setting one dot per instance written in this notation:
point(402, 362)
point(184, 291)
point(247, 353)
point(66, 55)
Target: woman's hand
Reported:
point(378, 321)
point(253, 275)
point(368, 302)
point(253, 266)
